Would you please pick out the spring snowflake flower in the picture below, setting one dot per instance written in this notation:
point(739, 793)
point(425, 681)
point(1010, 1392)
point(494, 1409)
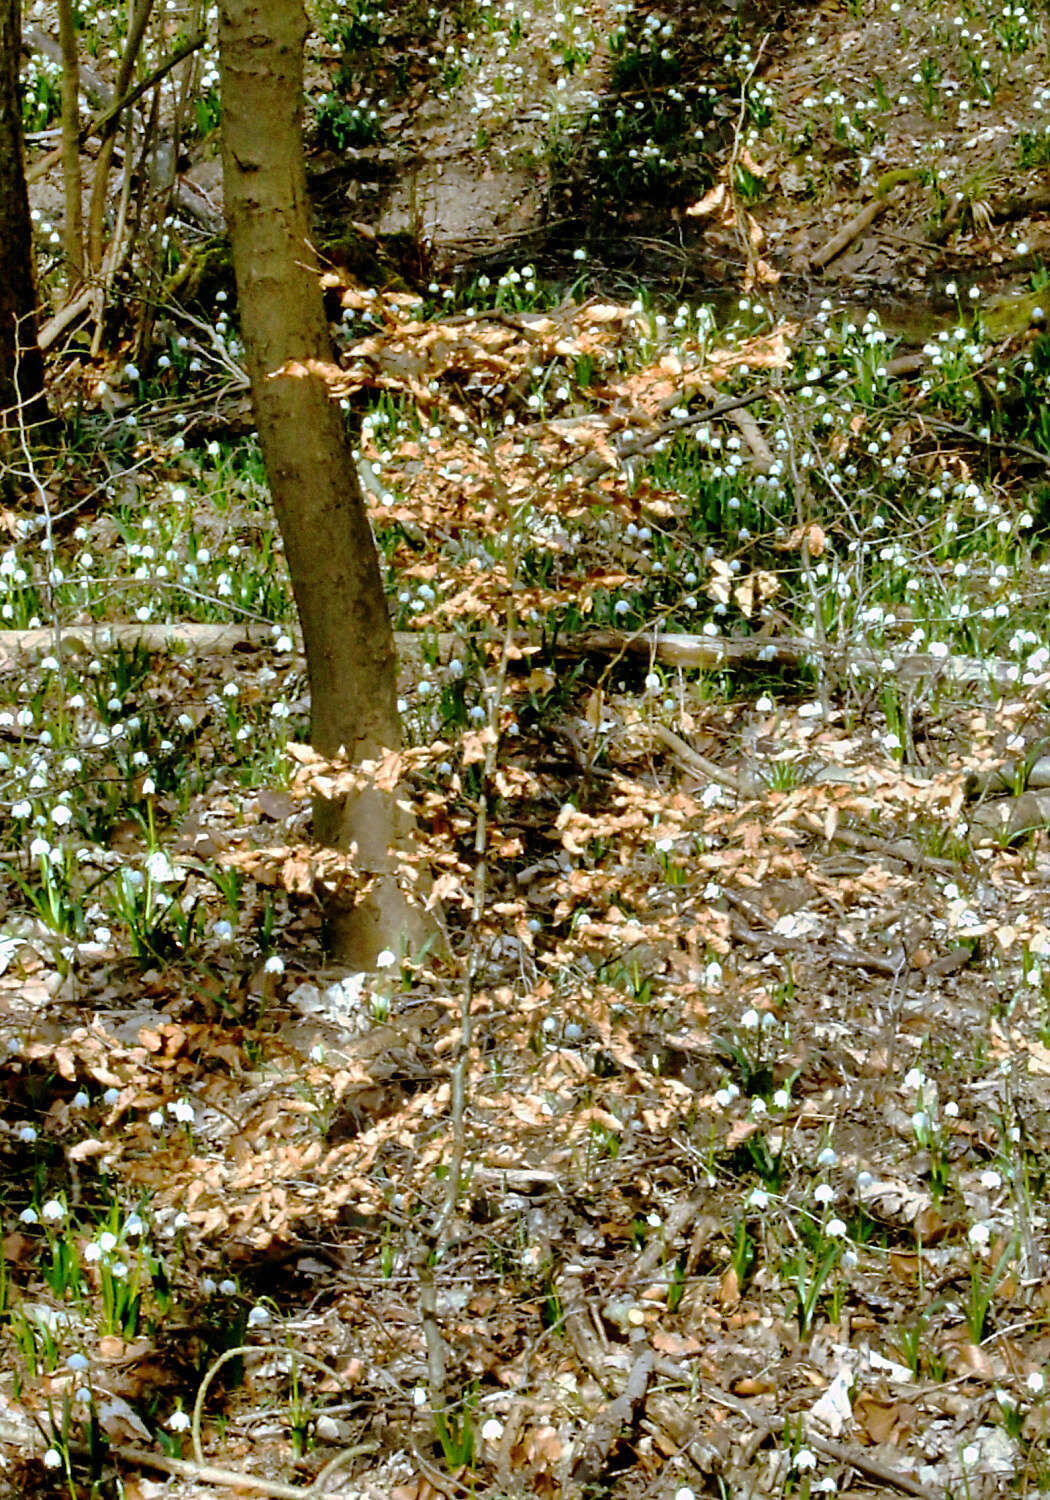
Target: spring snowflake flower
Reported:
point(805, 1458)
point(159, 868)
point(979, 1236)
point(274, 964)
point(52, 1459)
point(259, 1317)
point(53, 1211)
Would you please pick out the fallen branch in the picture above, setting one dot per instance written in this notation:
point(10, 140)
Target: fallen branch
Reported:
point(985, 440)
point(692, 760)
point(861, 220)
point(621, 1415)
point(712, 652)
point(748, 428)
point(672, 649)
point(856, 1458)
point(906, 851)
point(837, 953)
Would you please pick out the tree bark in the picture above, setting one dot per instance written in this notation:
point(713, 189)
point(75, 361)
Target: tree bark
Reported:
point(316, 493)
point(73, 226)
point(21, 363)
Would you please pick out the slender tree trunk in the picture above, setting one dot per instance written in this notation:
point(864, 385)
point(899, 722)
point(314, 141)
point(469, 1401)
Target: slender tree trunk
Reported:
point(21, 363)
point(140, 15)
point(73, 227)
point(313, 480)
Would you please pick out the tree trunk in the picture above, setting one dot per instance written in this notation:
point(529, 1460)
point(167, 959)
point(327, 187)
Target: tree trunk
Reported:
point(21, 363)
point(316, 493)
point(73, 225)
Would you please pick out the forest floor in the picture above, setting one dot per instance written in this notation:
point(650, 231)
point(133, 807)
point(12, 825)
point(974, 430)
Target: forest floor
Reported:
point(713, 1160)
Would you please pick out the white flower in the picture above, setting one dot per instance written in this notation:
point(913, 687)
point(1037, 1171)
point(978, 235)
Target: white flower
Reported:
point(979, 1235)
point(385, 959)
point(805, 1458)
point(182, 1109)
point(227, 1288)
point(258, 1317)
point(52, 1211)
point(274, 964)
point(835, 1229)
point(914, 1079)
point(824, 1193)
point(178, 1421)
point(492, 1430)
point(1035, 1382)
point(159, 868)
point(52, 1459)
point(971, 1454)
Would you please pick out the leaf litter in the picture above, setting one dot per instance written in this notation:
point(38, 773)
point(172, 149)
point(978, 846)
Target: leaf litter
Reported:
point(703, 1034)
point(750, 1144)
